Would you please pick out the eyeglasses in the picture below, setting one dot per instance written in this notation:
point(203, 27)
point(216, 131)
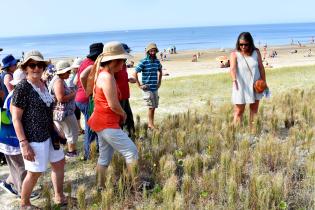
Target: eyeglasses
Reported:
point(245, 45)
point(39, 65)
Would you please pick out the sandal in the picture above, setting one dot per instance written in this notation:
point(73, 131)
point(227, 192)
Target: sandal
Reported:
point(62, 203)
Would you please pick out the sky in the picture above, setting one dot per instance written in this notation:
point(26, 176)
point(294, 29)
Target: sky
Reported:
point(36, 17)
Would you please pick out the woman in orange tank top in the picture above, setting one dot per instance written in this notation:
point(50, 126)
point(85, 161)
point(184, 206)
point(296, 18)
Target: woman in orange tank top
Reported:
point(108, 114)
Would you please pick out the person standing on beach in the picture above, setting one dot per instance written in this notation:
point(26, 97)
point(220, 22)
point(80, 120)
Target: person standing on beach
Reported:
point(122, 81)
point(246, 68)
point(108, 113)
point(8, 68)
point(82, 99)
point(31, 108)
point(64, 96)
point(10, 147)
point(151, 70)
point(72, 84)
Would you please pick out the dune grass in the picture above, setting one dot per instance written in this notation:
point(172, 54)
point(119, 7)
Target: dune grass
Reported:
point(183, 93)
point(198, 160)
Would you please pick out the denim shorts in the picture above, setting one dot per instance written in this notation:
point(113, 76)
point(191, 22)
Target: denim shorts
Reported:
point(110, 140)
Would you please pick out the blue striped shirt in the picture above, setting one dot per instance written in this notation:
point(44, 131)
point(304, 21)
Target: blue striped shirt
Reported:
point(149, 69)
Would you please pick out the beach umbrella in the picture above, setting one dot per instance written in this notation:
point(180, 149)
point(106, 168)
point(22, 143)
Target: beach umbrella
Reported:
point(222, 58)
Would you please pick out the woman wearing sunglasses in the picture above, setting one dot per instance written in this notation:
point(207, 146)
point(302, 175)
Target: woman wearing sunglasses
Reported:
point(31, 110)
point(246, 68)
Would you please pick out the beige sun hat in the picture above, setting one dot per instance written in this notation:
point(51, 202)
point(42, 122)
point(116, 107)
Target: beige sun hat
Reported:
point(62, 67)
point(76, 63)
point(34, 55)
point(113, 51)
point(18, 76)
point(151, 46)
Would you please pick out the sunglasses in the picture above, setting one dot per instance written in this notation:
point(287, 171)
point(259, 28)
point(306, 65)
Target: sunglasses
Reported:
point(246, 45)
point(39, 65)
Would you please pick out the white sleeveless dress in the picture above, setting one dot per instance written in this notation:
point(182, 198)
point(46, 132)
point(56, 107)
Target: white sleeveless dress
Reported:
point(245, 93)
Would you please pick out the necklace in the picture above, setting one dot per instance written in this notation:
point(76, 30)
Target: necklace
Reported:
point(43, 94)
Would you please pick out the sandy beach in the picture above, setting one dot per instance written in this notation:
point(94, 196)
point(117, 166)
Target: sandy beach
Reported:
point(180, 64)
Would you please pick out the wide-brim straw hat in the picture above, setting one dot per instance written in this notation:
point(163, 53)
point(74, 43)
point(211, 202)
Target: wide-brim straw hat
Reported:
point(63, 67)
point(18, 76)
point(76, 63)
point(113, 51)
point(33, 55)
point(151, 46)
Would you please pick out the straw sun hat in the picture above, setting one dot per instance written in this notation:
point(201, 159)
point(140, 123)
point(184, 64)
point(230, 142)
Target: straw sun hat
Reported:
point(34, 55)
point(113, 51)
point(151, 46)
point(63, 67)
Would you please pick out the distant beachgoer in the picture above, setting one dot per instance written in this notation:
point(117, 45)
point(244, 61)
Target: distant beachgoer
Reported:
point(246, 68)
point(108, 113)
point(31, 109)
point(265, 52)
point(174, 49)
point(161, 56)
point(122, 82)
point(151, 70)
point(130, 64)
point(64, 96)
point(299, 43)
point(293, 51)
point(312, 40)
point(194, 58)
point(81, 99)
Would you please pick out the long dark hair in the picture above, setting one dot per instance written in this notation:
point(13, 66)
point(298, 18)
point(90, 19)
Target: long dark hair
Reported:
point(247, 37)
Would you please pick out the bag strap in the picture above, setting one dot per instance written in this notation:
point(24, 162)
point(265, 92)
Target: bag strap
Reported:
point(251, 73)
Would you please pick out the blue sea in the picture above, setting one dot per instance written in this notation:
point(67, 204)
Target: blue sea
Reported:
point(77, 44)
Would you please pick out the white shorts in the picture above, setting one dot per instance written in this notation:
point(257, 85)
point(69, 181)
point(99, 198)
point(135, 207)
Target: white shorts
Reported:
point(110, 140)
point(69, 126)
point(44, 153)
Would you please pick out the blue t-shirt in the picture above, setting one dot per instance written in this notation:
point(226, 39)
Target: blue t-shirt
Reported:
point(149, 68)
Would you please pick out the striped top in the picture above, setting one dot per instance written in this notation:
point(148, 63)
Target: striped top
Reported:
point(149, 68)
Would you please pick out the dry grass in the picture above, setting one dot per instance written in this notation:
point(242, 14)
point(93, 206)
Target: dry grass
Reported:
point(199, 160)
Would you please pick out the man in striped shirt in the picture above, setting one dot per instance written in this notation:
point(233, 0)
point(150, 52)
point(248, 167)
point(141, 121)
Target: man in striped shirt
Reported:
point(151, 70)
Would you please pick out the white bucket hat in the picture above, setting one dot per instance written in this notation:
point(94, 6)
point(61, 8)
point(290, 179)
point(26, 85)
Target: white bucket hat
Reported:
point(62, 67)
point(34, 55)
point(18, 76)
point(76, 63)
point(113, 51)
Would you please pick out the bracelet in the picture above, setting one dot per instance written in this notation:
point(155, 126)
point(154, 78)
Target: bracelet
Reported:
point(22, 140)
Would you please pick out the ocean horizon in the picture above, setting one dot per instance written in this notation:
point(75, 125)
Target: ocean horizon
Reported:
point(188, 38)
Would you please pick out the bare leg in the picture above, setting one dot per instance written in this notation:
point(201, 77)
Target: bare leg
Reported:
point(27, 187)
point(101, 174)
point(238, 113)
point(57, 178)
point(151, 117)
point(253, 111)
point(71, 147)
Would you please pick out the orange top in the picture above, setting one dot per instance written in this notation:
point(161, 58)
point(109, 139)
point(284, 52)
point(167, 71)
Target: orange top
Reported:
point(102, 116)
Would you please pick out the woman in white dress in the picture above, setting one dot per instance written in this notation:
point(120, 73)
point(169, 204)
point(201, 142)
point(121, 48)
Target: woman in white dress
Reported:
point(246, 68)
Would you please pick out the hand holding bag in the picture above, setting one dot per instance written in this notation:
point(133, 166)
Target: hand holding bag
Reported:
point(59, 113)
point(259, 85)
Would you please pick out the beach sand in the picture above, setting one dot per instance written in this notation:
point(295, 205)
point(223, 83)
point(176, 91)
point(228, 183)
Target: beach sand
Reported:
point(180, 64)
